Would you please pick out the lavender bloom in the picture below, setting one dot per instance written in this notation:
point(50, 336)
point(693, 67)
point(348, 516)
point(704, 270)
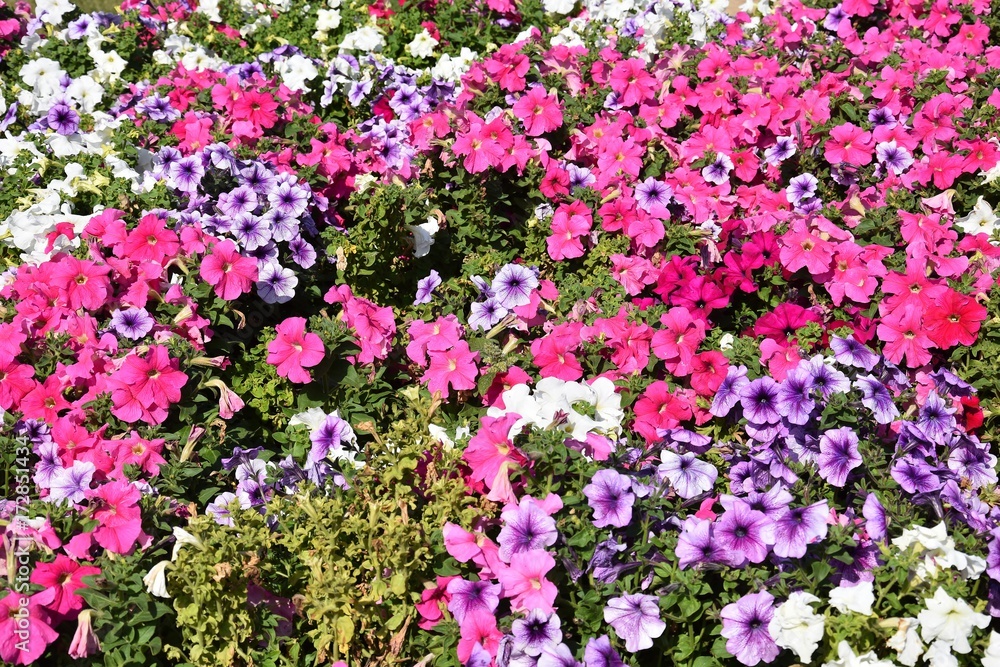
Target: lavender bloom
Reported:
point(801, 187)
point(936, 418)
point(303, 253)
point(877, 398)
point(914, 476)
point(609, 496)
point(744, 624)
point(133, 323)
point(276, 284)
point(240, 200)
point(63, 119)
point(795, 401)
point(828, 380)
point(359, 91)
point(760, 401)
point(536, 632)
point(875, 518)
point(797, 527)
point(513, 285)
point(289, 199)
point(698, 545)
point(838, 455)
point(579, 177)
point(949, 383)
point(558, 656)
point(850, 352)
point(745, 533)
point(71, 484)
point(895, 158)
point(78, 28)
point(250, 231)
point(718, 171)
point(283, 227)
point(241, 456)
point(186, 174)
point(426, 287)
point(685, 440)
point(468, 597)
point(636, 619)
point(687, 475)
point(219, 509)
point(600, 653)
point(770, 503)
point(973, 462)
point(525, 528)
point(653, 195)
point(49, 463)
point(602, 563)
point(728, 394)
point(328, 439)
point(158, 108)
point(486, 314)
point(259, 178)
point(882, 117)
point(833, 17)
point(783, 149)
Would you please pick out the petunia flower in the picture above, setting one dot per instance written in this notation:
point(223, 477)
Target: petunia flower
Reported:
point(838, 455)
point(524, 581)
point(609, 495)
point(294, 350)
point(745, 627)
point(688, 476)
point(636, 619)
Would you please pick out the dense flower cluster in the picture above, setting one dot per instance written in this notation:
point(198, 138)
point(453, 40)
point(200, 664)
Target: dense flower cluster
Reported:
point(620, 332)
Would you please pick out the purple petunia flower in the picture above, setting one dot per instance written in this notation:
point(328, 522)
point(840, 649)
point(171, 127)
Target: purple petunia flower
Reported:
point(603, 563)
point(783, 148)
point(877, 398)
point(468, 597)
point(240, 200)
point(219, 509)
point(895, 158)
point(698, 545)
point(797, 527)
point(133, 323)
point(600, 653)
point(71, 484)
point(525, 528)
point(826, 379)
point(513, 285)
point(609, 496)
point(579, 177)
point(760, 401)
point(653, 195)
point(275, 283)
point(536, 632)
point(558, 656)
point(801, 187)
point(687, 475)
point(329, 438)
point(728, 393)
point(49, 463)
point(882, 117)
point(636, 619)
point(289, 199)
point(795, 398)
point(259, 178)
point(838, 455)
point(875, 518)
point(426, 287)
point(718, 172)
point(747, 534)
point(850, 352)
point(834, 16)
point(186, 174)
point(972, 461)
point(63, 118)
point(251, 232)
point(770, 503)
point(914, 475)
point(936, 419)
point(303, 253)
point(744, 625)
point(486, 314)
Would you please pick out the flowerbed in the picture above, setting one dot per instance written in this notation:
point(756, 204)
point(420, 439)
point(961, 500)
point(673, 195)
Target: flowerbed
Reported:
point(513, 333)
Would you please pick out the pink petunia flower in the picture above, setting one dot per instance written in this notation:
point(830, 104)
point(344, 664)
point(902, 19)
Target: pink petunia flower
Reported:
point(227, 271)
point(294, 350)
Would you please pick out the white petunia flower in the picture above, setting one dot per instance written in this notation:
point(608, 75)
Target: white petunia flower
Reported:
point(939, 552)
point(858, 599)
point(980, 220)
point(949, 620)
point(422, 45)
point(796, 626)
point(847, 658)
point(423, 236)
point(906, 642)
point(156, 579)
point(992, 656)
